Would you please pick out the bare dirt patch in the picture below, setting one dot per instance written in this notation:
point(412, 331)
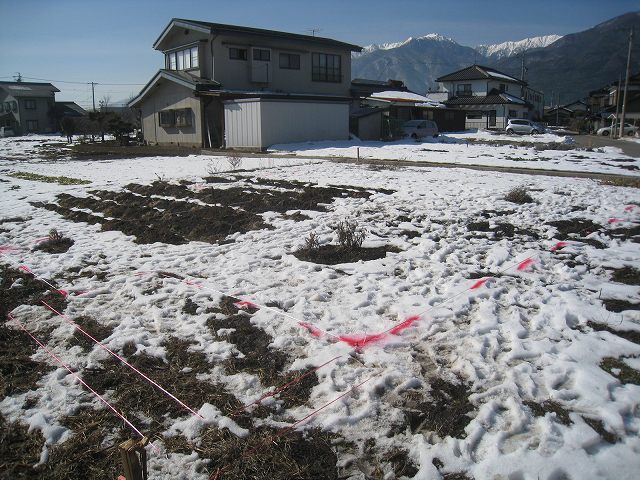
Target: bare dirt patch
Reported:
point(446, 413)
point(627, 275)
point(335, 254)
point(631, 335)
point(617, 306)
point(19, 450)
point(578, 229)
point(501, 230)
point(620, 370)
point(549, 406)
point(172, 213)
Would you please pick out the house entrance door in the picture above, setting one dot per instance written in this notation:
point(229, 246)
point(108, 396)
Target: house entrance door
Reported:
point(492, 118)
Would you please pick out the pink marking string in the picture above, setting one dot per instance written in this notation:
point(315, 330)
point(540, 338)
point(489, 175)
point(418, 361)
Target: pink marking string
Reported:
point(480, 283)
point(286, 430)
point(8, 249)
point(245, 305)
point(525, 264)
point(76, 376)
point(629, 208)
point(285, 386)
point(614, 220)
point(107, 349)
point(559, 246)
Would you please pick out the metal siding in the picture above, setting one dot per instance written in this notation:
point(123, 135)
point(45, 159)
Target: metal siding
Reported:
point(242, 124)
point(288, 122)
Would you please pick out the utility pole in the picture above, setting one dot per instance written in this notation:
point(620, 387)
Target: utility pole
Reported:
point(558, 109)
point(626, 84)
point(18, 77)
point(93, 94)
point(615, 122)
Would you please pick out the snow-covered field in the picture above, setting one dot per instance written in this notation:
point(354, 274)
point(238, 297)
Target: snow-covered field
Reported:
point(533, 374)
point(543, 152)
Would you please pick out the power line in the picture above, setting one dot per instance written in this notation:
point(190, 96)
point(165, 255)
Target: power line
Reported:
point(78, 83)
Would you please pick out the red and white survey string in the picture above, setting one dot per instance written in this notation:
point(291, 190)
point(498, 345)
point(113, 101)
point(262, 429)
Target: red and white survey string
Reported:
point(77, 377)
point(114, 354)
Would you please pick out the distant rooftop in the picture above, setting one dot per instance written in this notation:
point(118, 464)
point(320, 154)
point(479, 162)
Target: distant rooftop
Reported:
point(28, 89)
point(478, 72)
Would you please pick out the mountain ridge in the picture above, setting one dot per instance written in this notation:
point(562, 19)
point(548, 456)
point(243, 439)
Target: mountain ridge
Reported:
point(569, 65)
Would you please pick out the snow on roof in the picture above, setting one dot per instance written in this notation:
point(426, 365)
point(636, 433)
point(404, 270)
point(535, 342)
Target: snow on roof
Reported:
point(431, 104)
point(502, 75)
point(513, 99)
point(400, 96)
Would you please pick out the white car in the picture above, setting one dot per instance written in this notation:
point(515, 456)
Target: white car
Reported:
point(628, 130)
point(524, 126)
point(420, 128)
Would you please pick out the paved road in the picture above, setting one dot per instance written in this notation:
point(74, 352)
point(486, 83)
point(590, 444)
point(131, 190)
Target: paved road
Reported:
point(628, 147)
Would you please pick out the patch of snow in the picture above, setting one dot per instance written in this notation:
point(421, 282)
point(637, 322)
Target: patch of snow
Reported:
point(506, 49)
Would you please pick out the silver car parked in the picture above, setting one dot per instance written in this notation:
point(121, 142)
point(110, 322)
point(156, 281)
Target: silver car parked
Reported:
point(524, 126)
point(420, 128)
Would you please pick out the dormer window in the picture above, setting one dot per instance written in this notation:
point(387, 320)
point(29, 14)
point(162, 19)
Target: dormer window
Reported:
point(184, 59)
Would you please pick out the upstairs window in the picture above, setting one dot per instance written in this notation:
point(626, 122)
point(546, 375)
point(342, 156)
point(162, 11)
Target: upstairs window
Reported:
point(237, 53)
point(290, 61)
point(183, 59)
point(326, 67)
point(504, 87)
point(30, 104)
point(262, 54)
point(463, 90)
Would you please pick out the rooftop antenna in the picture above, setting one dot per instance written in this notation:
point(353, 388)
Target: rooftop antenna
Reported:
point(313, 31)
point(17, 77)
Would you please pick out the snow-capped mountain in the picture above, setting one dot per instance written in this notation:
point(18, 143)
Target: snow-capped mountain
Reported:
point(506, 49)
point(392, 45)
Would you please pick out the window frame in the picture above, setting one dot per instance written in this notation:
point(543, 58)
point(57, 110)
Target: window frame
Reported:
point(183, 59)
point(30, 104)
point(465, 91)
point(322, 71)
point(30, 125)
point(288, 57)
point(238, 53)
point(257, 51)
point(167, 122)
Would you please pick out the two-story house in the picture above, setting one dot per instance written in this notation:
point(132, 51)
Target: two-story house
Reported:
point(26, 106)
point(240, 87)
point(489, 97)
point(605, 102)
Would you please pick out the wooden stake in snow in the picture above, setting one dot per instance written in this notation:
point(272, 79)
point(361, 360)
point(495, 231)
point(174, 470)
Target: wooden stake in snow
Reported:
point(134, 458)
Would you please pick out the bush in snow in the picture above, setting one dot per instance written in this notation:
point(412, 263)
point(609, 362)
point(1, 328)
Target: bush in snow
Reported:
point(519, 195)
point(348, 235)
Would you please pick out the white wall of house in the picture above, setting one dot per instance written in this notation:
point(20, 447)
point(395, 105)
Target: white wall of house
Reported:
point(259, 123)
point(482, 117)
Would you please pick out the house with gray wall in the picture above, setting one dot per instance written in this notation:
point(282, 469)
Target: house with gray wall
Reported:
point(26, 107)
point(489, 97)
point(240, 87)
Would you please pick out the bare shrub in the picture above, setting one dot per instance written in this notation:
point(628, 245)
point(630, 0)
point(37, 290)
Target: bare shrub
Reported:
point(311, 242)
point(234, 159)
point(213, 167)
point(54, 235)
point(349, 236)
point(519, 195)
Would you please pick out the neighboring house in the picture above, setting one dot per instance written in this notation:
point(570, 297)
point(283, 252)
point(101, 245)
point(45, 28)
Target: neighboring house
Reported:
point(70, 109)
point(27, 106)
point(232, 86)
point(405, 105)
point(571, 114)
point(605, 102)
point(489, 97)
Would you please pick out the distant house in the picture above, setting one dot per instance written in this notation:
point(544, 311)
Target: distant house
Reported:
point(403, 106)
point(489, 97)
point(605, 102)
point(70, 109)
point(233, 86)
point(27, 106)
point(566, 115)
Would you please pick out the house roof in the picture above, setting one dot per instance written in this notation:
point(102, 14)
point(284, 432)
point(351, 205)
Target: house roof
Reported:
point(71, 109)
point(181, 78)
point(478, 72)
point(209, 27)
point(493, 98)
point(28, 89)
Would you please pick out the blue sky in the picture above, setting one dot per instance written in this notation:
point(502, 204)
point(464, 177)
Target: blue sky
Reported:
point(110, 41)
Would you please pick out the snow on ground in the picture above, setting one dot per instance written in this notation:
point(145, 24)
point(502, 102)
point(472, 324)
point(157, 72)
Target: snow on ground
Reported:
point(470, 148)
point(525, 338)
